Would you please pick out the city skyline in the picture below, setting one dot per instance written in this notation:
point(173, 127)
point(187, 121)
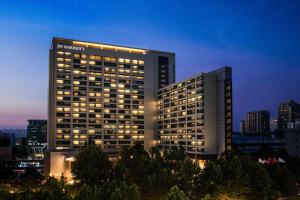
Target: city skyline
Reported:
point(259, 40)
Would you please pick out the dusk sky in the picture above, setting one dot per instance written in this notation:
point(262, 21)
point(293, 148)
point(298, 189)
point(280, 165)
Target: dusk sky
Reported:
point(259, 39)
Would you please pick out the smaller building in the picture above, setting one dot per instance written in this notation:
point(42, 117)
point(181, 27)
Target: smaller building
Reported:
point(273, 125)
point(37, 137)
point(257, 122)
point(5, 147)
point(288, 113)
point(252, 143)
point(292, 141)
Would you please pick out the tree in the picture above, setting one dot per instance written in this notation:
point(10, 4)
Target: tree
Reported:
point(260, 183)
point(51, 189)
point(186, 172)
point(284, 180)
point(89, 192)
point(31, 176)
point(116, 195)
point(176, 194)
point(132, 164)
point(210, 180)
point(233, 173)
point(92, 166)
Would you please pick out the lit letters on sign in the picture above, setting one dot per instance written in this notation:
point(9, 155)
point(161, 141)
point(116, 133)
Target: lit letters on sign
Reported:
point(71, 47)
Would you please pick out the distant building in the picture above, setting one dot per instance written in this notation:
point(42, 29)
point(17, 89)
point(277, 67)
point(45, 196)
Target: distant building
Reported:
point(16, 133)
point(289, 140)
point(292, 141)
point(243, 126)
point(37, 137)
point(288, 112)
point(273, 125)
point(253, 143)
point(257, 122)
point(297, 123)
point(5, 146)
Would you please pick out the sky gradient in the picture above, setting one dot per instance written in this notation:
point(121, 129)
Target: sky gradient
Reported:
point(259, 39)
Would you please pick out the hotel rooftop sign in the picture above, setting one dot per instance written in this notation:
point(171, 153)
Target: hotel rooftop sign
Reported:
point(70, 47)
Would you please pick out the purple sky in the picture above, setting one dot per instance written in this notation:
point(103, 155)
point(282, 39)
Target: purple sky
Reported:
point(259, 39)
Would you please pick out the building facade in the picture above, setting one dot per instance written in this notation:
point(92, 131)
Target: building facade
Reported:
point(257, 122)
point(288, 114)
point(251, 143)
point(196, 114)
point(273, 125)
point(104, 94)
point(37, 137)
point(114, 96)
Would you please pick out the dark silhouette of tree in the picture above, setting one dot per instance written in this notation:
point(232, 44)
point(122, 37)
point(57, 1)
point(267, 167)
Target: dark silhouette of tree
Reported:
point(92, 166)
point(176, 194)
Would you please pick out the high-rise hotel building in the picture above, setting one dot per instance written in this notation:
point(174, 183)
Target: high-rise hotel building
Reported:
point(113, 96)
point(196, 114)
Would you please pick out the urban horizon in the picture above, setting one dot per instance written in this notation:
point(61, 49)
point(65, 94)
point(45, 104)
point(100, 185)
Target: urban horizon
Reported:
point(265, 73)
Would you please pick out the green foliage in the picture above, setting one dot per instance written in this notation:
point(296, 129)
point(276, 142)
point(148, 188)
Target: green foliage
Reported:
point(186, 172)
point(92, 166)
point(31, 177)
point(260, 183)
point(284, 180)
point(233, 173)
point(173, 176)
point(87, 192)
point(176, 194)
point(210, 179)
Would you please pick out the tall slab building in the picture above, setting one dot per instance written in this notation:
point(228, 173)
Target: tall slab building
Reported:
point(112, 96)
point(103, 94)
point(196, 114)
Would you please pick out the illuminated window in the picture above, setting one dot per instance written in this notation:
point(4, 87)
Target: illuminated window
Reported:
point(98, 142)
point(75, 142)
point(59, 131)
point(83, 61)
point(59, 81)
point(92, 62)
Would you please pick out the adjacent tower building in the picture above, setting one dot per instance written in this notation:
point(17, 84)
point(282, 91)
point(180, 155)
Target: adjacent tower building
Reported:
point(196, 114)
